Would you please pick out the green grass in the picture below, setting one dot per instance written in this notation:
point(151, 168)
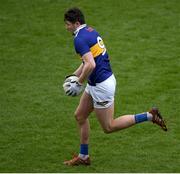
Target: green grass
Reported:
point(37, 127)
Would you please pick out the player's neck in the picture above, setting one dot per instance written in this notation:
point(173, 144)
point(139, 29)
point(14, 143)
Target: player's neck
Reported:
point(79, 28)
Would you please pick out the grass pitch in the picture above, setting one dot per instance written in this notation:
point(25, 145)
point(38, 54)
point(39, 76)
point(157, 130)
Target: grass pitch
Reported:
point(37, 128)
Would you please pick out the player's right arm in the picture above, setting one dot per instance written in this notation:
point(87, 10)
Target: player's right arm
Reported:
point(79, 70)
point(89, 65)
point(83, 49)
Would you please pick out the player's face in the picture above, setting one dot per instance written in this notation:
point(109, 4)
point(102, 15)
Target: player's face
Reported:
point(71, 27)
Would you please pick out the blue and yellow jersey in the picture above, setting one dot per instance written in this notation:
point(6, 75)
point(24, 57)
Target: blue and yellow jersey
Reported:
point(87, 39)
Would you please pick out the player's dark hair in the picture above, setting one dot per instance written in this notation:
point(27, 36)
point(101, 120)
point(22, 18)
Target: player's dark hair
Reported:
point(74, 15)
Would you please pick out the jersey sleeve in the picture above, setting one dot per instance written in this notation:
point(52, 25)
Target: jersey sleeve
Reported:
point(81, 46)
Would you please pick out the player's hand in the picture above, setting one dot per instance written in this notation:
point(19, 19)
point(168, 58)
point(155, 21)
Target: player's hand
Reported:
point(66, 78)
point(75, 88)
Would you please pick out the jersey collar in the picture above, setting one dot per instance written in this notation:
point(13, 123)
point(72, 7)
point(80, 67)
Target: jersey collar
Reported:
point(78, 29)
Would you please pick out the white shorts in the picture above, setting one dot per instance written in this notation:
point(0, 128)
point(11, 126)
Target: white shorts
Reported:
point(102, 93)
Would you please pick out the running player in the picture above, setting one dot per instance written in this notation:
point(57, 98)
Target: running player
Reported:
point(98, 95)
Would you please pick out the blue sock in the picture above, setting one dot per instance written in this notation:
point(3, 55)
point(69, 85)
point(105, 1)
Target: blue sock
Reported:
point(84, 149)
point(141, 117)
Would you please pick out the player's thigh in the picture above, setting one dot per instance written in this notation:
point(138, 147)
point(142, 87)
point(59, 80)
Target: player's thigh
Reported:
point(85, 106)
point(105, 116)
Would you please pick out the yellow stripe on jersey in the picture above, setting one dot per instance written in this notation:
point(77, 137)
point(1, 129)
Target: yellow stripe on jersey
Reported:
point(96, 50)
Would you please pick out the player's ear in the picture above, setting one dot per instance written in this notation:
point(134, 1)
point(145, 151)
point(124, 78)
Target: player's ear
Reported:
point(77, 23)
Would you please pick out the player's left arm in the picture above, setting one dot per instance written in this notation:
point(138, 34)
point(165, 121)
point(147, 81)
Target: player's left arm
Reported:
point(88, 66)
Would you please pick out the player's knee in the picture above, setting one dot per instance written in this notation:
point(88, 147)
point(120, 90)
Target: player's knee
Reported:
point(79, 118)
point(108, 129)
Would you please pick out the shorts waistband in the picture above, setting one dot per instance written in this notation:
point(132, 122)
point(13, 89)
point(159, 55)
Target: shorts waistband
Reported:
point(94, 84)
point(91, 84)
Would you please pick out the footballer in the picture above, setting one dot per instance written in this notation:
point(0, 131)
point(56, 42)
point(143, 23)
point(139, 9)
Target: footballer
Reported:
point(99, 92)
